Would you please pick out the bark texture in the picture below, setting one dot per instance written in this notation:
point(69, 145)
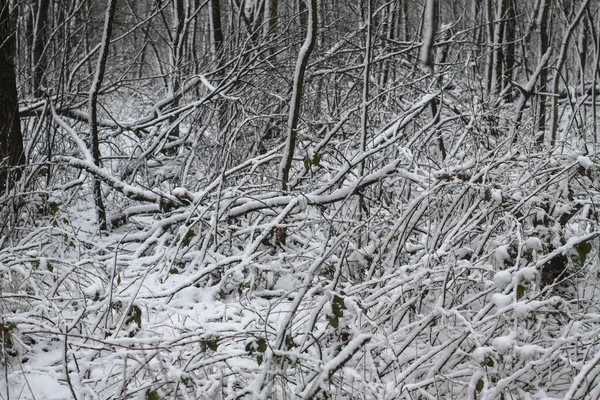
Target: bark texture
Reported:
point(294, 115)
point(12, 156)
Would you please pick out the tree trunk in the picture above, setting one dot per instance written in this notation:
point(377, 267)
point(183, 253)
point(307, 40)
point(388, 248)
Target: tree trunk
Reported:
point(498, 48)
point(429, 29)
point(389, 28)
point(490, 40)
point(510, 47)
point(216, 27)
point(368, 21)
point(178, 46)
point(302, 10)
point(366, 75)
point(12, 157)
point(271, 18)
point(93, 109)
point(218, 42)
point(544, 44)
point(562, 57)
point(405, 18)
point(294, 114)
point(595, 70)
point(40, 38)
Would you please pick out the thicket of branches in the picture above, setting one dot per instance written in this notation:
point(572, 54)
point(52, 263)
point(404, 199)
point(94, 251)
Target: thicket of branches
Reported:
point(304, 199)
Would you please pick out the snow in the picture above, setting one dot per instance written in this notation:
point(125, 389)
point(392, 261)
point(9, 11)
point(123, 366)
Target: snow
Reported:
point(527, 275)
point(504, 344)
point(501, 253)
point(482, 353)
point(522, 310)
point(502, 300)
point(529, 352)
point(423, 277)
point(92, 290)
point(534, 243)
point(497, 196)
point(287, 283)
point(35, 385)
point(179, 192)
point(502, 279)
point(585, 162)
point(192, 295)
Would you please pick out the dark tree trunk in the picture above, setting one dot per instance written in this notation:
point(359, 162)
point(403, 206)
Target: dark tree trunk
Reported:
point(12, 156)
point(177, 61)
point(298, 88)
point(218, 41)
point(498, 47)
point(510, 47)
point(303, 14)
point(272, 17)
point(40, 39)
point(543, 88)
point(217, 28)
point(93, 101)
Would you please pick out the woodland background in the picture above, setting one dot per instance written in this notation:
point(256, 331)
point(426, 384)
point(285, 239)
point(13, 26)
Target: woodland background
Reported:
point(313, 199)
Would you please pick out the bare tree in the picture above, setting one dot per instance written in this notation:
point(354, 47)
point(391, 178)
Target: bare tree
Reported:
point(298, 86)
point(11, 140)
point(562, 58)
point(544, 44)
point(218, 39)
point(40, 39)
point(93, 109)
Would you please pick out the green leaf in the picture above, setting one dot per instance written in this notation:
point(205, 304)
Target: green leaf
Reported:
point(289, 342)
point(174, 271)
point(489, 362)
point(338, 306)
point(259, 359)
point(152, 395)
point(188, 237)
point(307, 163)
point(210, 345)
point(187, 381)
point(333, 321)
point(520, 291)
point(213, 345)
point(241, 287)
point(570, 194)
point(261, 345)
point(134, 315)
point(583, 249)
point(117, 305)
point(479, 386)
point(53, 207)
point(250, 347)
point(316, 159)
point(337, 309)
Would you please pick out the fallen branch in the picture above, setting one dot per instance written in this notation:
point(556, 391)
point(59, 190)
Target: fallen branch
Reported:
point(165, 201)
